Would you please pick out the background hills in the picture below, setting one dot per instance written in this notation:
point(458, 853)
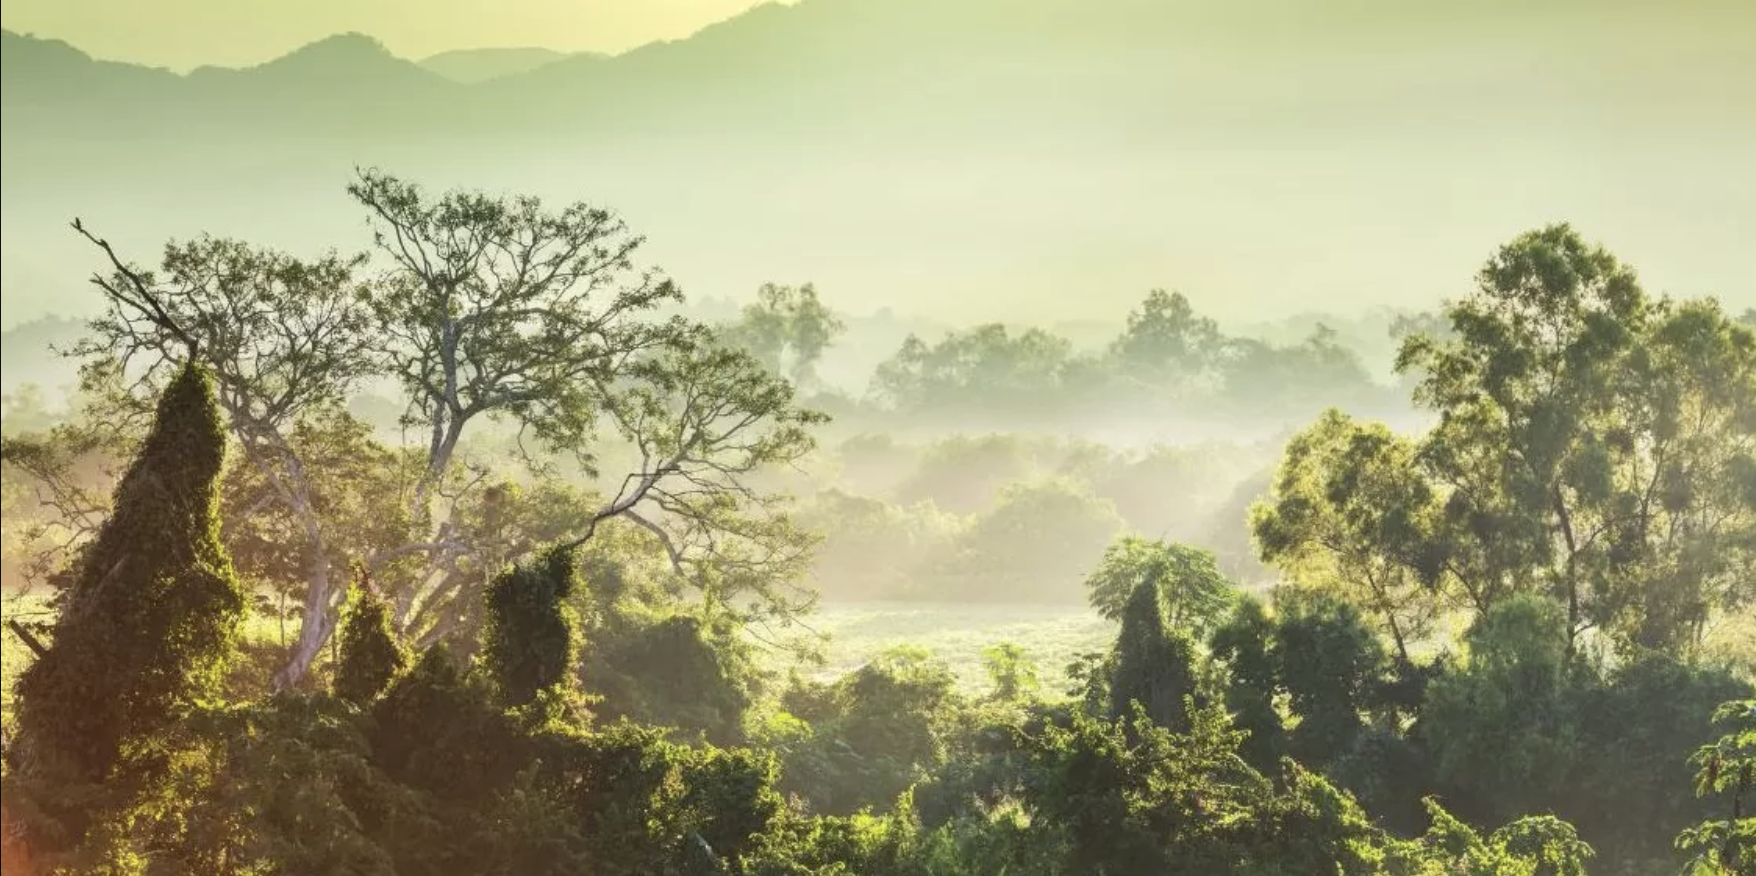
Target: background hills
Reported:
point(1044, 160)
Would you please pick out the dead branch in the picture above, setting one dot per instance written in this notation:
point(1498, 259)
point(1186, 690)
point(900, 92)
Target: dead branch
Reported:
point(30, 641)
point(148, 303)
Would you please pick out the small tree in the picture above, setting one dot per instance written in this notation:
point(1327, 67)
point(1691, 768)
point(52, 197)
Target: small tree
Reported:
point(371, 654)
point(152, 617)
point(1014, 674)
point(1726, 847)
point(532, 639)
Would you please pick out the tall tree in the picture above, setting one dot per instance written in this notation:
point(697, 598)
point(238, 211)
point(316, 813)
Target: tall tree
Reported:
point(497, 306)
point(284, 339)
point(1155, 663)
point(1593, 443)
point(1165, 344)
point(1520, 390)
point(787, 329)
point(1351, 512)
point(1678, 481)
point(1195, 594)
point(532, 636)
point(152, 618)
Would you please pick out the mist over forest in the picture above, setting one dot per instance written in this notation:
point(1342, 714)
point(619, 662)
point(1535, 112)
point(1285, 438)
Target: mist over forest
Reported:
point(887, 438)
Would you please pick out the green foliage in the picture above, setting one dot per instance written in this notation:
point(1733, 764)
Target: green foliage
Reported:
point(1194, 592)
point(282, 786)
point(1504, 728)
point(1244, 645)
point(1134, 797)
point(787, 329)
point(1726, 769)
point(440, 732)
point(675, 673)
point(1534, 846)
point(1155, 663)
point(371, 655)
point(346, 475)
point(532, 638)
point(1014, 675)
point(1330, 666)
point(865, 739)
point(1352, 514)
point(1034, 546)
point(1571, 406)
point(146, 630)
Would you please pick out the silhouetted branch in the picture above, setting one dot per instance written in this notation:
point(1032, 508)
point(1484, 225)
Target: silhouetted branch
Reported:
point(30, 641)
point(148, 303)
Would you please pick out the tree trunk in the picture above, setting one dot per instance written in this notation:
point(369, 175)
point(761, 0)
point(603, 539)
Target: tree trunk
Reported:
point(1572, 575)
point(316, 624)
point(314, 628)
point(1396, 634)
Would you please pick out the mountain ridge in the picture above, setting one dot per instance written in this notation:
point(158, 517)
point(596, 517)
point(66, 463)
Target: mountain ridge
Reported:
point(934, 155)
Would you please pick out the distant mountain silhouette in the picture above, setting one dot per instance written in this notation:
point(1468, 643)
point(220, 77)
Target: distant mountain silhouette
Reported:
point(471, 66)
point(1058, 154)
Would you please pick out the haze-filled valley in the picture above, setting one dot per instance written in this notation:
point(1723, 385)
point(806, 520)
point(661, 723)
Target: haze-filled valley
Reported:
point(882, 438)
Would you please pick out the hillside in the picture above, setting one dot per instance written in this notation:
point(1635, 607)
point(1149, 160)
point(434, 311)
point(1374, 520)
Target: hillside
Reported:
point(471, 66)
point(958, 158)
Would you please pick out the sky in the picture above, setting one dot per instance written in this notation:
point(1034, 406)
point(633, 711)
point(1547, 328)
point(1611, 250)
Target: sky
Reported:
point(183, 34)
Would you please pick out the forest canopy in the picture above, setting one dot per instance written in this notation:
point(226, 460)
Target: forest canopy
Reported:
point(555, 616)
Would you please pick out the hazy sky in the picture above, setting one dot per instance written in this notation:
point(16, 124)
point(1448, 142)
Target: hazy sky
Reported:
point(182, 34)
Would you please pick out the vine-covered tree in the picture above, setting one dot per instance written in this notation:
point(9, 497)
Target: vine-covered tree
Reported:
point(1244, 646)
point(531, 642)
point(370, 655)
point(285, 341)
point(146, 629)
point(1155, 663)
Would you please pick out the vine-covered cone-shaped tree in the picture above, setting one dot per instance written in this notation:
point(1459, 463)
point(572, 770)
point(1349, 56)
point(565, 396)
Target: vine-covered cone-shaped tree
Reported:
point(532, 638)
point(1154, 664)
point(152, 617)
point(371, 655)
